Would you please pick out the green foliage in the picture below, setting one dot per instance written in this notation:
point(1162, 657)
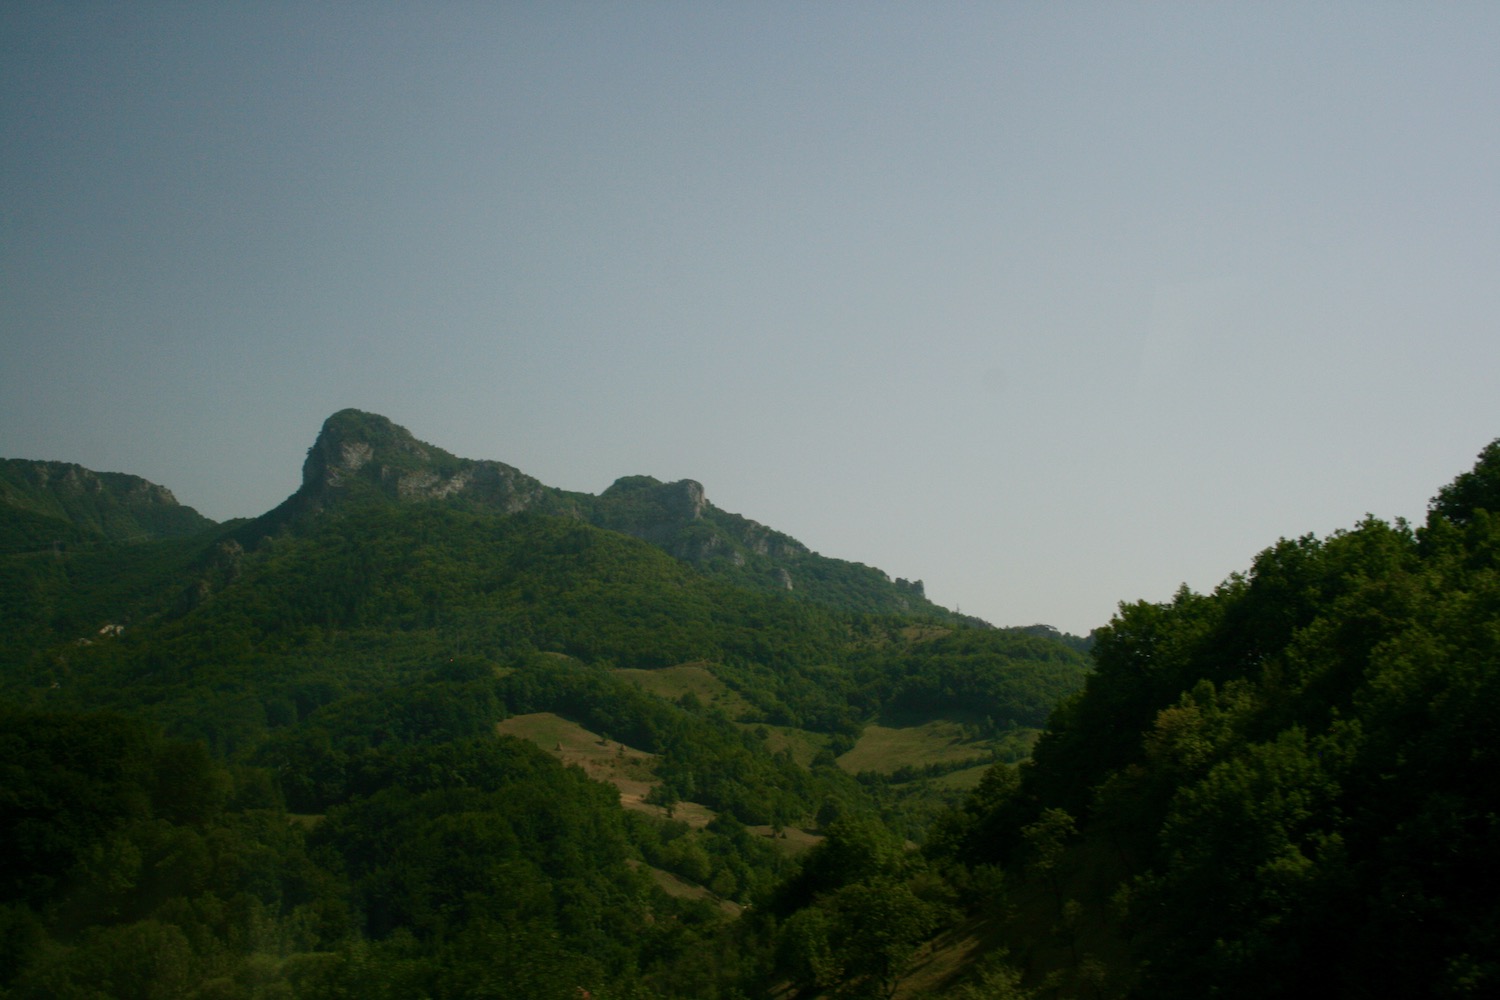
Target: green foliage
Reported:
point(75, 594)
point(454, 865)
point(278, 776)
point(1294, 773)
point(1476, 490)
point(995, 979)
point(43, 503)
point(855, 913)
point(1003, 678)
point(491, 830)
point(71, 781)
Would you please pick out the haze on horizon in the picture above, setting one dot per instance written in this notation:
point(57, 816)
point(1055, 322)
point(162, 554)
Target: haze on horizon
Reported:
point(1049, 306)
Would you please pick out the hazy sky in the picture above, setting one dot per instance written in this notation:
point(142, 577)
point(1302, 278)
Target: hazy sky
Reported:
point(1050, 305)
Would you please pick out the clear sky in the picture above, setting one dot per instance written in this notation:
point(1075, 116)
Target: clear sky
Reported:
point(1050, 305)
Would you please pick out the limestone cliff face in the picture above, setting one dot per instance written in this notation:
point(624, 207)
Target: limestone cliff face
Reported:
point(679, 518)
point(764, 541)
point(64, 479)
point(651, 510)
point(362, 455)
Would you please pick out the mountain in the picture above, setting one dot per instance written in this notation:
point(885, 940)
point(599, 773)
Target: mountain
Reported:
point(432, 728)
point(365, 458)
point(42, 503)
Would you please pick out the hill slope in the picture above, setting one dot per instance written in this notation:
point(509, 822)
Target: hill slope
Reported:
point(275, 757)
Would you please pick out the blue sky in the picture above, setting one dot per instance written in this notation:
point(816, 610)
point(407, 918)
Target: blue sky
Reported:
point(1049, 305)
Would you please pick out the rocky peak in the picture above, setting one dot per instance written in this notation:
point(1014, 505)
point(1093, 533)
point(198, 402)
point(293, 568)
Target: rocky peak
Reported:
point(657, 512)
point(360, 455)
point(350, 440)
point(363, 457)
point(685, 499)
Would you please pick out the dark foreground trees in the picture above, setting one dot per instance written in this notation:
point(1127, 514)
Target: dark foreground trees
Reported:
point(1292, 778)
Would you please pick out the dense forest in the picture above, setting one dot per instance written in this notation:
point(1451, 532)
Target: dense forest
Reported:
point(393, 743)
point(1280, 788)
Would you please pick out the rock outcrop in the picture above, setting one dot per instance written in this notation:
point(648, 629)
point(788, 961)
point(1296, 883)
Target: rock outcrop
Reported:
point(360, 457)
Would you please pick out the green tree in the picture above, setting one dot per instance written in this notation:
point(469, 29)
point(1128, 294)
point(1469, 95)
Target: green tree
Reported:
point(1473, 491)
point(876, 928)
point(1046, 841)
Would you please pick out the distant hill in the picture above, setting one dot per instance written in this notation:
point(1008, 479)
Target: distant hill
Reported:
point(362, 457)
point(43, 503)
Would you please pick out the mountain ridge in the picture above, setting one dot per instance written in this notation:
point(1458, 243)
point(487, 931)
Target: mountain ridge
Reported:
point(361, 457)
point(51, 502)
point(1280, 788)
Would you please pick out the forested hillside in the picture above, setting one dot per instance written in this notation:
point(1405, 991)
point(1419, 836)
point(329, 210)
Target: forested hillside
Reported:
point(423, 744)
point(418, 745)
point(1282, 788)
point(50, 504)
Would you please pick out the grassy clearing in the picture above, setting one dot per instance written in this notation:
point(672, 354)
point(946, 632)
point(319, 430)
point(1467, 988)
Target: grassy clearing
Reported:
point(1016, 745)
point(631, 771)
point(671, 683)
point(793, 840)
point(803, 745)
point(681, 888)
point(961, 781)
point(549, 731)
point(887, 749)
